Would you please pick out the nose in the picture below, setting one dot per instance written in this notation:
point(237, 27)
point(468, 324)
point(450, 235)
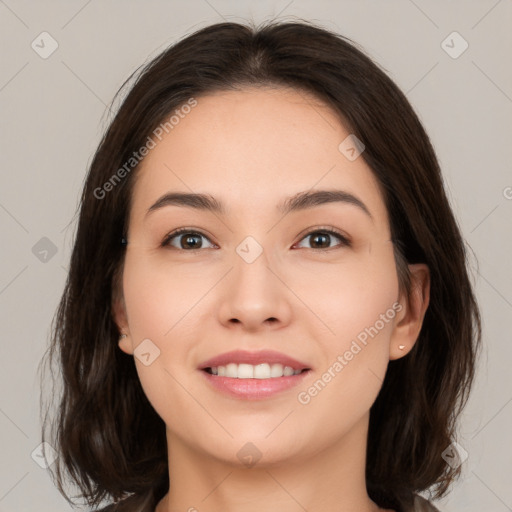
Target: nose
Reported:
point(254, 296)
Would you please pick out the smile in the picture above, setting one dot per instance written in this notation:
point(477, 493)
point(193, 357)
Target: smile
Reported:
point(253, 388)
point(249, 371)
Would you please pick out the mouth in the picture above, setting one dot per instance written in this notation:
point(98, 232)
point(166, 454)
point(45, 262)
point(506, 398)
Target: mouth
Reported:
point(259, 371)
point(260, 382)
point(249, 375)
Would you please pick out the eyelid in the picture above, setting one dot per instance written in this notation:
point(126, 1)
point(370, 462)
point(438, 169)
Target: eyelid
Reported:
point(345, 240)
point(182, 231)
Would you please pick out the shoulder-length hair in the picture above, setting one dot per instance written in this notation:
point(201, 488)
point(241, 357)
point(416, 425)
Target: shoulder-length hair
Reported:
point(111, 442)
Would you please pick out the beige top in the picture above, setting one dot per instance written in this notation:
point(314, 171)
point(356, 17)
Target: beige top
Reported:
point(422, 505)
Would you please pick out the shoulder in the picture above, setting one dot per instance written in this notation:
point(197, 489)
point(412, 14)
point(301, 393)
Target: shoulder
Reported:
point(132, 503)
point(422, 505)
point(108, 508)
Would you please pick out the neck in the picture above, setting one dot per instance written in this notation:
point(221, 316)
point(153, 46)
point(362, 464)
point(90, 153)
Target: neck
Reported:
point(333, 480)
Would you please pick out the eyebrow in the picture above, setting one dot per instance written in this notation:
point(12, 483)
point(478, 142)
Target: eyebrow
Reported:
point(298, 202)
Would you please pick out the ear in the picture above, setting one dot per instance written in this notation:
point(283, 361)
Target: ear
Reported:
point(121, 319)
point(410, 318)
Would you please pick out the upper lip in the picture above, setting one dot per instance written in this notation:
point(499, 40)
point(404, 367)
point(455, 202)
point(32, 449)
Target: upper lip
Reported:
point(254, 358)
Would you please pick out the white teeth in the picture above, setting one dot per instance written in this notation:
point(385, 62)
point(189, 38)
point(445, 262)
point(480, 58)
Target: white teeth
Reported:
point(249, 371)
point(288, 371)
point(245, 371)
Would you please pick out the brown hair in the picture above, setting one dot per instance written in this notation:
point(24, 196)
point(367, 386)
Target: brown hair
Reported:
point(111, 441)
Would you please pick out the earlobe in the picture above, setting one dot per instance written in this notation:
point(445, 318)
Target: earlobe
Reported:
point(408, 326)
point(121, 320)
point(125, 344)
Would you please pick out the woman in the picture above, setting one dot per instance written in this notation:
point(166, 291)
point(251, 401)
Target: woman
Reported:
point(268, 305)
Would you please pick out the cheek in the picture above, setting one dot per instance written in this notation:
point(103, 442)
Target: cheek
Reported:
point(165, 303)
point(159, 296)
point(351, 296)
point(158, 309)
point(360, 309)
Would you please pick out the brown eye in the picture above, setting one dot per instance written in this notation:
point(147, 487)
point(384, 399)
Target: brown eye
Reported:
point(190, 240)
point(187, 240)
point(321, 239)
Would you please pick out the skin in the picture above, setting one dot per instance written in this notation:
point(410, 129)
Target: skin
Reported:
point(251, 149)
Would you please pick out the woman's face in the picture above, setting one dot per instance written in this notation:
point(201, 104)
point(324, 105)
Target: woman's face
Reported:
point(256, 277)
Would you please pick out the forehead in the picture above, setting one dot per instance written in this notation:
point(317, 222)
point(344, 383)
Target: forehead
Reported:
point(252, 148)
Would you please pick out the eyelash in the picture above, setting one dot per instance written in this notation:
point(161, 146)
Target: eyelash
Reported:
point(345, 242)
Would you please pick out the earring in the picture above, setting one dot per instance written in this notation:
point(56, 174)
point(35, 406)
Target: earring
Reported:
point(401, 347)
point(122, 336)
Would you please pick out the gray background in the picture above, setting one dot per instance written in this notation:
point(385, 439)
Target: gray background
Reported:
point(54, 112)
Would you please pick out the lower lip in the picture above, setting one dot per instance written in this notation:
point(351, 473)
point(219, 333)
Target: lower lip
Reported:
point(253, 389)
